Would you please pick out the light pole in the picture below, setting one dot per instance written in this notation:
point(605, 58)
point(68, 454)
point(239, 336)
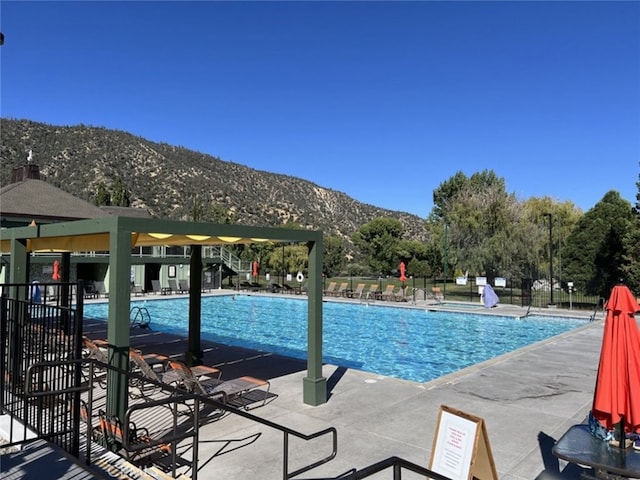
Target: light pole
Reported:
point(446, 259)
point(550, 256)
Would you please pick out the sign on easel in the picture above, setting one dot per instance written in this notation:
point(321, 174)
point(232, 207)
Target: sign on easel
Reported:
point(461, 449)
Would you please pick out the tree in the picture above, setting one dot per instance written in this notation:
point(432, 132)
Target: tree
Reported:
point(121, 196)
point(286, 259)
point(480, 222)
point(103, 196)
point(378, 241)
point(333, 256)
point(595, 249)
point(535, 235)
point(631, 242)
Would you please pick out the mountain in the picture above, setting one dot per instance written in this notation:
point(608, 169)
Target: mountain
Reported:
point(168, 181)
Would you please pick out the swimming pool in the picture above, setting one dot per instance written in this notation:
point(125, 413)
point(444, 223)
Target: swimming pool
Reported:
point(412, 344)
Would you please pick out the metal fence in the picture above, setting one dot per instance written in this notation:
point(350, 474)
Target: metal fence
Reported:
point(38, 326)
point(523, 292)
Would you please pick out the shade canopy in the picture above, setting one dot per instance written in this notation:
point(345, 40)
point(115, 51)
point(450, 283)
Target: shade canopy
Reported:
point(94, 235)
point(617, 391)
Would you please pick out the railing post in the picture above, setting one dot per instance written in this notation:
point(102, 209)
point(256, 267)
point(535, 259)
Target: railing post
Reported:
point(285, 457)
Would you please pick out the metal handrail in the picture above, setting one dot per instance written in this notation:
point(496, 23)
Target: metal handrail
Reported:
point(141, 318)
point(397, 464)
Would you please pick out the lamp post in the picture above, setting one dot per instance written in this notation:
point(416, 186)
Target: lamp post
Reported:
point(446, 260)
point(283, 267)
point(550, 256)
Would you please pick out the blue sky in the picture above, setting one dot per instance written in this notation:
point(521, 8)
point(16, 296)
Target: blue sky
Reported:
point(383, 101)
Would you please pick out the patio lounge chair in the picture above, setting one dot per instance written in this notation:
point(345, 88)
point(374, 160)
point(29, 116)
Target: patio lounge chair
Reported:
point(387, 294)
point(342, 289)
point(357, 293)
point(100, 289)
point(141, 365)
point(134, 443)
point(242, 392)
point(373, 292)
point(96, 350)
point(330, 289)
point(158, 289)
point(136, 290)
point(437, 294)
point(183, 286)
point(173, 286)
point(153, 367)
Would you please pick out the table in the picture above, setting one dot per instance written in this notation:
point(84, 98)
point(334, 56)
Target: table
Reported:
point(579, 446)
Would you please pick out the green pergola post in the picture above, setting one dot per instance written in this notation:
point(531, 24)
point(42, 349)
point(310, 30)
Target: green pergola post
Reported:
point(19, 273)
point(118, 323)
point(314, 385)
point(194, 354)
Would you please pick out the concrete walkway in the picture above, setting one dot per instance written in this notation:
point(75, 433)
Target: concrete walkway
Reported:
point(528, 399)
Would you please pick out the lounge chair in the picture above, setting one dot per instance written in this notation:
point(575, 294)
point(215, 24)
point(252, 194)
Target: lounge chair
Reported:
point(183, 286)
point(330, 289)
point(357, 293)
point(100, 289)
point(373, 292)
point(90, 291)
point(240, 392)
point(437, 294)
point(137, 290)
point(155, 287)
point(401, 295)
point(96, 350)
point(342, 289)
point(173, 286)
point(134, 443)
point(286, 288)
point(387, 294)
point(141, 366)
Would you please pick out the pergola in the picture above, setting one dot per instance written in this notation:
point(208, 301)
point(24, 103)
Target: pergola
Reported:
point(119, 235)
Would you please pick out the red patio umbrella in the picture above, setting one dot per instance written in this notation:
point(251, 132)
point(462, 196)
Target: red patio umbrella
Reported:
point(403, 269)
point(56, 270)
point(255, 269)
point(617, 392)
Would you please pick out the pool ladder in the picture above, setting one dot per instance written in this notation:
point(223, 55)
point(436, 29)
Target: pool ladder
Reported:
point(140, 317)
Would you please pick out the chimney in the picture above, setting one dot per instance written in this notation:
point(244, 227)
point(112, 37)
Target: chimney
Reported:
point(26, 171)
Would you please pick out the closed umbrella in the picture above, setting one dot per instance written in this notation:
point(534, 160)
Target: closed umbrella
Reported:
point(255, 269)
point(616, 399)
point(403, 270)
point(56, 270)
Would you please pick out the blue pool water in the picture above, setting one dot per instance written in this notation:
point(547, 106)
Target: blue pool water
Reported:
point(412, 344)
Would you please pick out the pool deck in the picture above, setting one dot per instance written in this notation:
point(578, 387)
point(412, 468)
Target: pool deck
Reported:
point(527, 399)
